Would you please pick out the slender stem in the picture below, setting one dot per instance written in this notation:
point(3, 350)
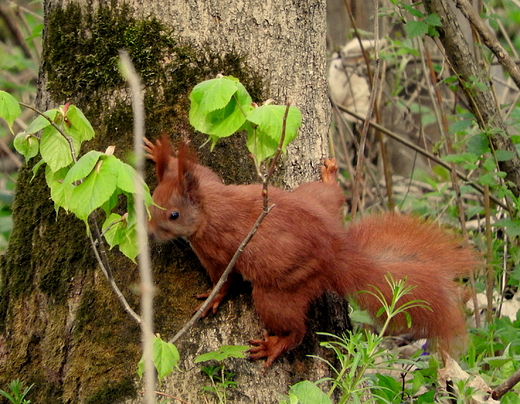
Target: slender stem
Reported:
point(147, 286)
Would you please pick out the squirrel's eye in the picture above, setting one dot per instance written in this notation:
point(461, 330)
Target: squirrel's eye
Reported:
point(174, 215)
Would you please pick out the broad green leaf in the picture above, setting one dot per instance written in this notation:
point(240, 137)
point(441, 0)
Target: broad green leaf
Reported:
point(9, 108)
point(114, 224)
point(416, 28)
point(460, 126)
point(307, 392)
point(433, 19)
point(122, 233)
point(40, 122)
point(213, 94)
point(83, 167)
point(126, 182)
point(55, 149)
point(412, 10)
point(165, 357)
point(26, 145)
point(224, 121)
point(60, 193)
point(128, 241)
point(478, 144)
point(96, 189)
point(224, 352)
point(78, 127)
point(504, 155)
point(268, 119)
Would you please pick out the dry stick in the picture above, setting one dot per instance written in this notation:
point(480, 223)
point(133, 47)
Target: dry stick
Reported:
point(265, 210)
point(489, 39)
point(422, 151)
point(147, 286)
point(497, 393)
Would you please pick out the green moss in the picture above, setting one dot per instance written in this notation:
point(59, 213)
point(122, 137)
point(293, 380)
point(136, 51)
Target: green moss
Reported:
point(112, 392)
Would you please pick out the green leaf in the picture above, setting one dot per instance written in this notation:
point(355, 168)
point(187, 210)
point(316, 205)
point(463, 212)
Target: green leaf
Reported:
point(478, 144)
point(412, 10)
point(307, 392)
point(83, 167)
point(213, 94)
point(512, 227)
point(225, 351)
point(121, 233)
point(40, 122)
point(504, 155)
point(224, 121)
point(9, 108)
point(55, 149)
point(460, 126)
point(26, 145)
point(263, 141)
point(96, 189)
point(60, 193)
point(433, 20)
point(415, 29)
point(78, 126)
point(165, 357)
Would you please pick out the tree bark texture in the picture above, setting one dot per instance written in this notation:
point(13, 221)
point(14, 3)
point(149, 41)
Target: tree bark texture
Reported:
point(61, 326)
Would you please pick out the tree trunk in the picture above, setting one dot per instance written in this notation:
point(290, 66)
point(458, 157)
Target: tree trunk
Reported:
point(61, 326)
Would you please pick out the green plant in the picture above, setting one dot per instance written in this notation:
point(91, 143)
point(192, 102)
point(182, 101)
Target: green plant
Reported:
point(358, 352)
point(17, 395)
point(221, 379)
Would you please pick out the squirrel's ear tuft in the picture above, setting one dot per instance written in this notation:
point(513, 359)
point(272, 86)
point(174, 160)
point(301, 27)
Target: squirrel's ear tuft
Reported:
point(186, 180)
point(161, 153)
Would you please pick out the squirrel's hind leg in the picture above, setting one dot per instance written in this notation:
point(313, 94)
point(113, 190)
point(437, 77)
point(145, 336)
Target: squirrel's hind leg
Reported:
point(284, 313)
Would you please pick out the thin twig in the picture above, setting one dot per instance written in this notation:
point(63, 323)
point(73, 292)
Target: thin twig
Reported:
point(147, 287)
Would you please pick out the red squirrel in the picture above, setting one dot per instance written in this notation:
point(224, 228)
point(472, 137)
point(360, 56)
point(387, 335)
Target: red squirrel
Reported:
point(302, 249)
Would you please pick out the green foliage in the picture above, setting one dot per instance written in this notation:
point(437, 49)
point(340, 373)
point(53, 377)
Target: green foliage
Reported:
point(80, 186)
point(306, 392)
point(221, 379)
point(165, 357)
point(222, 106)
point(16, 394)
point(224, 352)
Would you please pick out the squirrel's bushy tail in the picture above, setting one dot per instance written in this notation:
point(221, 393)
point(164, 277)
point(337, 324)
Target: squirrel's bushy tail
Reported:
point(428, 256)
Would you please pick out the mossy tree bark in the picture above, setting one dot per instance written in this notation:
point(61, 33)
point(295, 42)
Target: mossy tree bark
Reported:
point(61, 326)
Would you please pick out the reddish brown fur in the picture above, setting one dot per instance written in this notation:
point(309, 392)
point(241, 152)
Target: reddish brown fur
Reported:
point(302, 250)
